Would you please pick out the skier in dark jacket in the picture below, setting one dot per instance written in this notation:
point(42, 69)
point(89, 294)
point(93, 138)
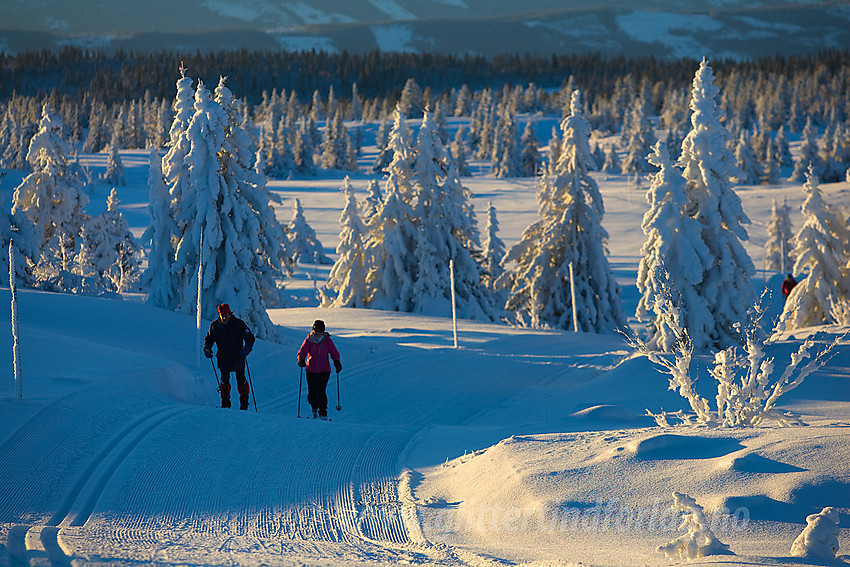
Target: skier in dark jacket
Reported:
point(234, 341)
point(313, 355)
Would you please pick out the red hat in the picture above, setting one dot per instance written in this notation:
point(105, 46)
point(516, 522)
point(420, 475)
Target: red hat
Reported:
point(224, 309)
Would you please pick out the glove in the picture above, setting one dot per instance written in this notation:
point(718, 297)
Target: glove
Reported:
point(337, 365)
point(302, 363)
point(246, 351)
point(207, 353)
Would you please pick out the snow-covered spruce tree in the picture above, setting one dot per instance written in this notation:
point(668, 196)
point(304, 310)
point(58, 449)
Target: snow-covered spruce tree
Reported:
point(347, 279)
point(746, 160)
point(392, 234)
point(819, 540)
point(494, 250)
point(505, 155)
point(17, 228)
point(108, 250)
point(697, 540)
point(640, 140)
point(778, 252)
point(303, 242)
point(611, 164)
point(458, 151)
point(808, 156)
point(114, 174)
point(708, 168)
point(447, 231)
point(373, 200)
point(819, 253)
point(673, 258)
point(303, 149)
point(569, 231)
point(160, 237)
point(529, 158)
point(53, 199)
point(226, 201)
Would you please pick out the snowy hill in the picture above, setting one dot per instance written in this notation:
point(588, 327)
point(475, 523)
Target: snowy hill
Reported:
point(520, 447)
point(664, 28)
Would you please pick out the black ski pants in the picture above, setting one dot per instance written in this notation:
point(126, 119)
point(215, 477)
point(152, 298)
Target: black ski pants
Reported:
point(317, 384)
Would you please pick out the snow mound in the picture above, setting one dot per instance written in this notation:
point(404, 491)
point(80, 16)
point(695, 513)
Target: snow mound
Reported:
point(758, 464)
point(669, 446)
point(609, 413)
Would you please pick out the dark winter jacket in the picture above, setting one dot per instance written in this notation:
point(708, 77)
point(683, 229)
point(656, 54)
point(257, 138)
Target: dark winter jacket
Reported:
point(231, 338)
point(315, 351)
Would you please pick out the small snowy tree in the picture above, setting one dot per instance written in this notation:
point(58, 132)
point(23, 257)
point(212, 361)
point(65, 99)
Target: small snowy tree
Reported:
point(530, 154)
point(808, 159)
point(348, 275)
point(108, 250)
point(494, 248)
point(304, 244)
point(747, 386)
point(746, 161)
point(778, 253)
point(819, 252)
point(114, 174)
point(819, 539)
point(697, 539)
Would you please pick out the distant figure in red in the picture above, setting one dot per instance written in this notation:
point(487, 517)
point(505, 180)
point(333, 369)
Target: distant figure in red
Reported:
point(787, 285)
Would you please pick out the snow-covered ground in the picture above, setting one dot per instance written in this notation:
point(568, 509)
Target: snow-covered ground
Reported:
point(519, 447)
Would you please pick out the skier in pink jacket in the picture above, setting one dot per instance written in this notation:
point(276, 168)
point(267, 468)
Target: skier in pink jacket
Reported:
point(313, 355)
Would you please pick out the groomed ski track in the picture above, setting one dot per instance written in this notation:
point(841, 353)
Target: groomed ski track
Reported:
point(122, 471)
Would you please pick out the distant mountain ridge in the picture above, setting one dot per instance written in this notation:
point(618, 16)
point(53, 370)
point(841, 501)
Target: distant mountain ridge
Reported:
point(663, 28)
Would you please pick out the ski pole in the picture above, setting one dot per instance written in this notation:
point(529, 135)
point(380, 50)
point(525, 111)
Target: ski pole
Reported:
point(338, 407)
point(299, 391)
point(251, 385)
point(217, 381)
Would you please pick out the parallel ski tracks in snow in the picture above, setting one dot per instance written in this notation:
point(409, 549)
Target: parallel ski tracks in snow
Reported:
point(25, 543)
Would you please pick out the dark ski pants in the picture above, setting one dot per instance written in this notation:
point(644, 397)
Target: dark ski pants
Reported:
point(317, 384)
point(241, 387)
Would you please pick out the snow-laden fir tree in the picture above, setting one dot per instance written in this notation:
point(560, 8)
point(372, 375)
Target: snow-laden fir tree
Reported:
point(17, 228)
point(393, 235)
point(569, 231)
point(109, 251)
point(807, 155)
point(505, 153)
point(494, 250)
point(160, 237)
point(447, 231)
point(746, 160)
point(611, 164)
point(640, 140)
point(819, 254)
point(458, 151)
point(778, 252)
point(52, 197)
point(673, 259)
point(529, 158)
point(373, 200)
point(114, 174)
point(303, 149)
point(708, 168)
point(244, 247)
point(347, 279)
point(303, 242)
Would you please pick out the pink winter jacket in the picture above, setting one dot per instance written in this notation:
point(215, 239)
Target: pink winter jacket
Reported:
point(316, 349)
